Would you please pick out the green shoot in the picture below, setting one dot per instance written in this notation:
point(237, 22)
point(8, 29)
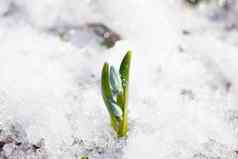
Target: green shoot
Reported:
point(115, 94)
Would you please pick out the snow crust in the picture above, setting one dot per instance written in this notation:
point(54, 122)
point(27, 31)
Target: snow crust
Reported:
point(183, 88)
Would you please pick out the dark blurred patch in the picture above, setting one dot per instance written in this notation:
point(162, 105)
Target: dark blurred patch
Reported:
point(109, 36)
point(195, 2)
point(2, 143)
point(17, 143)
point(12, 10)
point(180, 49)
point(192, 2)
point(188, 93)
point(79, 33)
point(228, 86)
point(186, 32)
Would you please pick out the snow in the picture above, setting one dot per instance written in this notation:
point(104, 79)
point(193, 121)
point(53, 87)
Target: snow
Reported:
point(183, 86)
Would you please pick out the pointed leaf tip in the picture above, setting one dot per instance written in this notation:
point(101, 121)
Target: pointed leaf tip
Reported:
point(128, 54)
point(124, 69)
point(105, 85)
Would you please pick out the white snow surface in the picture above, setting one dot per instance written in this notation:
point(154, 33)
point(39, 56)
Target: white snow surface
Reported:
point(183, 89)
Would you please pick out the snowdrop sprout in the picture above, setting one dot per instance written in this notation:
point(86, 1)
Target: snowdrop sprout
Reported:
point(115, 94)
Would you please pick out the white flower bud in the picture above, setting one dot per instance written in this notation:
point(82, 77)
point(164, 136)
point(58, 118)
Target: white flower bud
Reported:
point(116, 110)
point(115, 81)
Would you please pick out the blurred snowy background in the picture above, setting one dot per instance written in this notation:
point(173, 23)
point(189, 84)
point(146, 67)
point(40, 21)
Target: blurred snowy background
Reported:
point(184, 79)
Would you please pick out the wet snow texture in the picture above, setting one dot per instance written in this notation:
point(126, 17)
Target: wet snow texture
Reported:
point(183, 88)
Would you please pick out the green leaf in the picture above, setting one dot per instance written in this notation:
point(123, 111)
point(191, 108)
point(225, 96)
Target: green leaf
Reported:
point(124, 69)
point(107, 94)
point(123, 99)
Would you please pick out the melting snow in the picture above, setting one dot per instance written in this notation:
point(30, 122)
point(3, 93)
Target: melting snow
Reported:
point(183, 88)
